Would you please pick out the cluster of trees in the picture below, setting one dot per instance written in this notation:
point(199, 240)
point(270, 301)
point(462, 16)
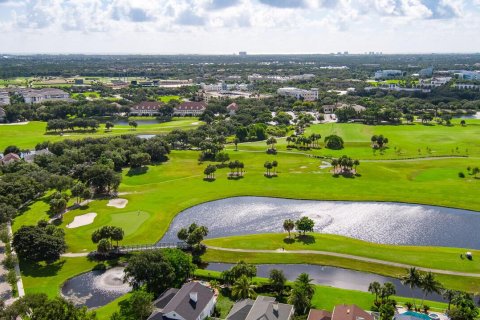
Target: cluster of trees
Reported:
point(301, 294)
point(378, 142)
point(344, 165)
point(424, 281)
point(39, 306)
point(236, 168)
point(158, 270)
point(269, 166)
point(304, 142)
point(105, 236)
point(58, 203)
point(43, 242)
point(193, 235)
point(77, 123)
point(382, 303)
point(304, 224)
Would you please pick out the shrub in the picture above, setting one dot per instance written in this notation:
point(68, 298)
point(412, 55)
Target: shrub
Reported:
point(334, 142)
point(461, 175)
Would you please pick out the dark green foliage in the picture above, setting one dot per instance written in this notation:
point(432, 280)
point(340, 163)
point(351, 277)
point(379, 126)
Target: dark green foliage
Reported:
point(334, 142)
point(304, 224)
point(39, 243)
point(138, 307)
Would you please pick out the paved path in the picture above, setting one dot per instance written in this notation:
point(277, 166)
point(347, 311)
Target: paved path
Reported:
point(351, 257)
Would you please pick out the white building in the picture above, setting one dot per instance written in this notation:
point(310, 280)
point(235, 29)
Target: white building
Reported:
point(468, 75)
point(388, 74)
point(307, 95)
point(42, 95)
point(4, 98)
point(466, 86)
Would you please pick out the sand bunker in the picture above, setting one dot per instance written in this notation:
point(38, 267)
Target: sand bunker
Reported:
point(117, 203)
point(82, 220)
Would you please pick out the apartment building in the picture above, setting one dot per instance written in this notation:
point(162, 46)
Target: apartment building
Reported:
point(307, 95)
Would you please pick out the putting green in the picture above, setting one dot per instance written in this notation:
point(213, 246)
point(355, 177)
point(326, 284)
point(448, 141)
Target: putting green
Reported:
point(129, 221)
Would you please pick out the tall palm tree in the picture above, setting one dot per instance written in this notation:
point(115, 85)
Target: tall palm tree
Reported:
point(242, 288)
point(304, 281)
point(412, 280)
point(449, 295)
point(374, 288)
point(429, 285)
point(288, 226)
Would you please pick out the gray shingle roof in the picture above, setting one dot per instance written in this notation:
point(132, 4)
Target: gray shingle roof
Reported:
point(240, 310)
point(181, 303)
point(262, 309)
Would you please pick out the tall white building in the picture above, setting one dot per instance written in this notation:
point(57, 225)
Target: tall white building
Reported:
point(41, 95)
point(307, 95)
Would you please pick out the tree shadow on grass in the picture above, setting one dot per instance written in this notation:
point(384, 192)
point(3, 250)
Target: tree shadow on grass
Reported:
point(288, 240)
point(209, 179)
point(41, 270)
point(137, 171)
point(306, 239)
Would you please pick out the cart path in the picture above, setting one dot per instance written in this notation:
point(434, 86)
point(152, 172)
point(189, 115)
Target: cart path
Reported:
point(351, 257)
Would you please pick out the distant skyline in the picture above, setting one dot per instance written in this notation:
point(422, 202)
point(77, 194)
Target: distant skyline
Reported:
point(230, 26)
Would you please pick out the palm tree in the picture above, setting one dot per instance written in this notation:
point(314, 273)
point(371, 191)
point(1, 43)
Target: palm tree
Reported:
point(274, 165)
point(449, 295)
point(268, 166)
point(412, 280)
point(304, 280)
point(387, 290)
point(374, 288)
point(429, 285)
point(242, 288)
point(288, 226)
point(236, 141)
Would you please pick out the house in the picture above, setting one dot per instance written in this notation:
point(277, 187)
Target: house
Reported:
point(4, 98)
point(262, 308)
point(3, 115)
point(30, 157)
point(190, 108)
point(193, 301)
point(42, 95)
point(307, 95)
point(341, 312)
point(331, 108)
point(315, 314)
point(146, 108)
point(9, 158)
point(232, 108)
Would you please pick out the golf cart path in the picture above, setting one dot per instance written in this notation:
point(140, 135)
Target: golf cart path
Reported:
point(352, 257)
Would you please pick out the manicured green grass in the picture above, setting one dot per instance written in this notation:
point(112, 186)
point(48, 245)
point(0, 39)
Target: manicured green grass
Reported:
point(48, 278)
point(166, 99)
point(89, 94)
point(105, 312)
point(469, 284)
point(28, 135)
point(429, 257)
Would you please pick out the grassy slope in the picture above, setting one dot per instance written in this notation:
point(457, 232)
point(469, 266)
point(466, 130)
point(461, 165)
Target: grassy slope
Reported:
point(454, 282)
point(27, 136)
point(429, 257)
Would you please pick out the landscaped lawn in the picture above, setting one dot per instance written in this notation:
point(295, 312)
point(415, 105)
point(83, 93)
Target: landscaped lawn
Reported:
point(429, 257)
point(89, 94)
point(26, 136)
point(166, 99)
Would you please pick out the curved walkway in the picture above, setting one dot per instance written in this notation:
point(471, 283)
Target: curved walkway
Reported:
point(351, 257)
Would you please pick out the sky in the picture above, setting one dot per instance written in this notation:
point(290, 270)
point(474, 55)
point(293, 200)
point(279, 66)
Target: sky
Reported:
point(230, 26)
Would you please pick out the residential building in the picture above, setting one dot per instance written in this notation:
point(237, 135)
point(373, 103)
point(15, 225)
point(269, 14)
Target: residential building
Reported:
point(275, 78)
point(307, 95)
point(42, 95)
point(468, 75)
point(193, 301)
point(9, 158)
point(426, 73)
point(4, 98)
point(394, 87)
point(232, 108)
point(331, 108)
point(388, 74)
point(3, 115)
point(262, 308)
point(315, 314)
point(341, 312)
point(146, 108)
point(190, 108)
point(434, 82)
point(466, 86)
point(30, 157)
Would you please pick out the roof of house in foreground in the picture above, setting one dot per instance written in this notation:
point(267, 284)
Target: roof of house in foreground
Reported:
point(263, 308)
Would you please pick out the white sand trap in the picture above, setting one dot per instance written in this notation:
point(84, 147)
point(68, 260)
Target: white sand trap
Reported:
point(195, 123)
point(82, 220)
point(117, 203)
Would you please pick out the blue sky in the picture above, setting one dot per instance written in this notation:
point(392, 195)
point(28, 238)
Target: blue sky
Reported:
point(229, 26)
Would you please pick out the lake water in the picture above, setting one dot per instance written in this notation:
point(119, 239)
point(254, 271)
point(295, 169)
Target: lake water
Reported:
point(96, 288)
point(331, 276)
point(380, 222)
point(472, 116)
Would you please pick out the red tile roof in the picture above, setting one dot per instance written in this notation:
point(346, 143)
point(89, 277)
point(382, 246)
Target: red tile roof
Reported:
point(191, 106)
point(350, 312)
point(10, 157)
point(315, 314)
point(232, 106)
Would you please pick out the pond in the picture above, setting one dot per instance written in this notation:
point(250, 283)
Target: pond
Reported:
point(332, 277)
point(470, 116)
point(96, 288)
point(380, 222)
